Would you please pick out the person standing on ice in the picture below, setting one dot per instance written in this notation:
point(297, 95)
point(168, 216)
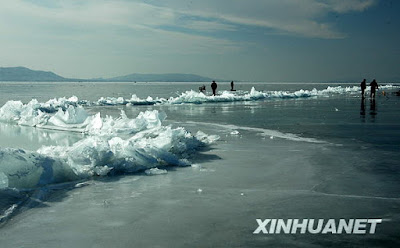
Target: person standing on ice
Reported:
point(363, 87)
point(202, 88)
point(214, 87)
point(374, 87)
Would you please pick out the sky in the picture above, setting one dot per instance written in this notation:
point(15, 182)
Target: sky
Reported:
point(251, 40)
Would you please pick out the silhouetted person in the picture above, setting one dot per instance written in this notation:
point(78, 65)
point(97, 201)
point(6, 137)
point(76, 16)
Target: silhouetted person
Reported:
point(202, 89)
point(232, 85)
point(214, 87)
point(363, 87)
point(374, 86)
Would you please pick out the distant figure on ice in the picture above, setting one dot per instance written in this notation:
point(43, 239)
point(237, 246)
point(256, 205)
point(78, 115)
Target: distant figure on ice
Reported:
point(214, 87)
point(363, 87)
point(232, 85)
point(202, 89)
point(374, 86)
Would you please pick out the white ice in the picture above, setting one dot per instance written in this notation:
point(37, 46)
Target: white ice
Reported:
point(111, 144)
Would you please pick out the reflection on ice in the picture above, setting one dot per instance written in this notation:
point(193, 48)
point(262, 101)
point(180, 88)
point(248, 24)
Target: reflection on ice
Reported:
point(233, 129)
point(32, 138)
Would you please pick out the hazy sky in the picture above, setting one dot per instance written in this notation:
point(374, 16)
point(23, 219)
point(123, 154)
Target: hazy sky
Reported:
point(260, 40)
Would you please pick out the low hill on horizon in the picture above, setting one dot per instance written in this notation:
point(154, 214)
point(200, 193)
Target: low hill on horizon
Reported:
point(23, 74)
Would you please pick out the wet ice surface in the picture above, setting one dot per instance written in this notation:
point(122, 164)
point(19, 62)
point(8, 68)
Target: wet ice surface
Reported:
point(216, 202)
point(256, 170)
point(29, 138)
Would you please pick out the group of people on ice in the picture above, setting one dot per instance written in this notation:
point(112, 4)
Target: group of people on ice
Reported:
point(373, 85)
point(214, 87)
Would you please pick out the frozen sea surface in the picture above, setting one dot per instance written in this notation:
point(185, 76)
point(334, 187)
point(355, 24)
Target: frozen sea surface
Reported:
point(329, 155)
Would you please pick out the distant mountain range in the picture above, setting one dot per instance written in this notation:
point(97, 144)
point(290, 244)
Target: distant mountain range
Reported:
point(25, 74)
